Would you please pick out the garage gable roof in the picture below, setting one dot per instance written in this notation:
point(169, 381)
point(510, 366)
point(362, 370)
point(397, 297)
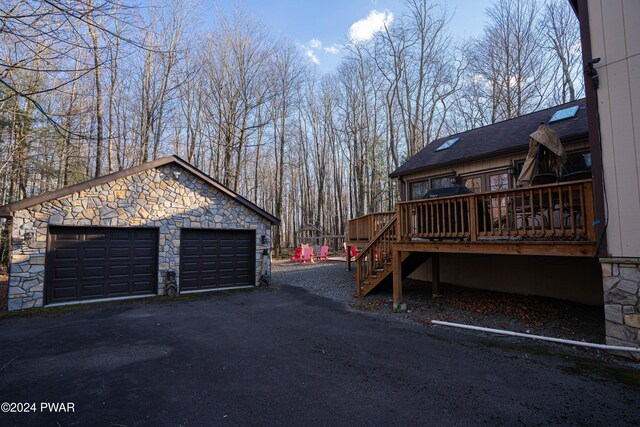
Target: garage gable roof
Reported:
point(498, 139)
point(8, 210)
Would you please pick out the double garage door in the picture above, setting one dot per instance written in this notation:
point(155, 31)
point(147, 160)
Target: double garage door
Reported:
point(86, 263)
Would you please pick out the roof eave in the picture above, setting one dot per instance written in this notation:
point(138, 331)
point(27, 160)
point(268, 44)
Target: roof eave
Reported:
point(8, 210)
point(566, 140)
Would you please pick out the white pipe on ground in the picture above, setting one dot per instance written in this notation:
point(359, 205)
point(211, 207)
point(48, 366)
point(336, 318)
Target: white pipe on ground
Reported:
point(537, 337)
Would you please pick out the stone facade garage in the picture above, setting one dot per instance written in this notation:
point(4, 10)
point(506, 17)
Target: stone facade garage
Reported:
point(119, 235)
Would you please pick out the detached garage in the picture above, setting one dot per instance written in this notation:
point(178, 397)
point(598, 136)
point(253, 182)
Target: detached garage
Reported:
point(129, 233)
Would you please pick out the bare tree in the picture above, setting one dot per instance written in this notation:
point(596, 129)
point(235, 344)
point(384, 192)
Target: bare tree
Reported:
point(286, 75)
point(561, 28)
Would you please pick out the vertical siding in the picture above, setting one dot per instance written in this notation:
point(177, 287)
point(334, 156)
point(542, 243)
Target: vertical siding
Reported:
point(631, 26)
point(613, 24)
point(615, 38)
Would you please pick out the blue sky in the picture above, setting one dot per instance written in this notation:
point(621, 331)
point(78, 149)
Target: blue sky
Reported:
point(328, 22)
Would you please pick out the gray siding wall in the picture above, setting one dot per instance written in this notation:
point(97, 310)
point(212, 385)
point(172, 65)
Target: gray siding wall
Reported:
point(615, 39)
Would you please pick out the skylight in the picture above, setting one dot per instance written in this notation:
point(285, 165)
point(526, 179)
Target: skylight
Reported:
point(565, 113)
point(448, 144)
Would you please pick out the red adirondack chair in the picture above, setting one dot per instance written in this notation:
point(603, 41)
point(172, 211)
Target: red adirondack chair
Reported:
point(307, 255)
point(354, 251)
point(324, 253)
point(296, 255)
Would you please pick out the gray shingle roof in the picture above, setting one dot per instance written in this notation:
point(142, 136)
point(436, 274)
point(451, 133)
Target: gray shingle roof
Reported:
point(493, 140)
point(7, 211)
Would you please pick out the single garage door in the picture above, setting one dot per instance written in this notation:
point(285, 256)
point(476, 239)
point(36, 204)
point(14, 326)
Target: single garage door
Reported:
point(212, 259)
point(86, 263)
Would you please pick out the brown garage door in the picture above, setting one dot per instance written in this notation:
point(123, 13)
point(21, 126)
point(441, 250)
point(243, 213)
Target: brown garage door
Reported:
point(212, 259)
point(92, 263)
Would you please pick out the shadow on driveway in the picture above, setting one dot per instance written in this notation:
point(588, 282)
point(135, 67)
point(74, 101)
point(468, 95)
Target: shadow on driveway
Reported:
point(282, 356)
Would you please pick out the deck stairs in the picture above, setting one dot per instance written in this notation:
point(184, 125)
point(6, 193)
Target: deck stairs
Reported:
point(374, 264)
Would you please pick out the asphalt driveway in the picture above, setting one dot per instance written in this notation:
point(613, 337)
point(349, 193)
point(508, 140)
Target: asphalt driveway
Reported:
point(285, 357)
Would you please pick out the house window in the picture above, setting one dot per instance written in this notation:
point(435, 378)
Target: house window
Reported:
point(418, 189)
point(487, 182)
point(578, 162)
point(566, 113)
point(448, 144)
point(498, 182)
point(474, 184)
point(443, 182)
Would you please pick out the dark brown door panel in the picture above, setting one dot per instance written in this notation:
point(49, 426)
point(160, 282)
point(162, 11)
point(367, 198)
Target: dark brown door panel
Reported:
point(212, 259)
point(92, 263)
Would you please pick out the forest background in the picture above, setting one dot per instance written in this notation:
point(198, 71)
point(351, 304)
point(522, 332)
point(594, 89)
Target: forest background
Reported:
point(92, 87)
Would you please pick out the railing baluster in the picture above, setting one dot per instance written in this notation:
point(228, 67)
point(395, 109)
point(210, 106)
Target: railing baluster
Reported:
point(552, 211)
point(563, 211)
point(542, 217)
point(581, 193)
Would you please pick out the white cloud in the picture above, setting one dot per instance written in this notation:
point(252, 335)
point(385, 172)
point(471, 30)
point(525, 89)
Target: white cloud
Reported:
point(333, 49)
point(365, 29)
point(314, 49)
point(311, 54)
point(575, 50)
point(315, 44)
point(478, 78)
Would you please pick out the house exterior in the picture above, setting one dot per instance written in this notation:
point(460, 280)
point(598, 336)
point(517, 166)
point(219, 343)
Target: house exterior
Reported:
point(489, 159)
point(610, 34)
point(133, 233)
point(593, 220)
point(463, 218)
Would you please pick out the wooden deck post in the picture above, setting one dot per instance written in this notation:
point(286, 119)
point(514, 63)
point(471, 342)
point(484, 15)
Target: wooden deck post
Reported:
point(435, 274)
point(589, 215)
point(396, 259)
point(348, 258)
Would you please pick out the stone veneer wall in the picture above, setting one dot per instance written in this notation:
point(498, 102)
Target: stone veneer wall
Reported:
point(153, 198)
point(621, 282)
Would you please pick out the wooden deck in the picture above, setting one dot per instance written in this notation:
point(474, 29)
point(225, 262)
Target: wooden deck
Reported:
point(362, 229)
point(548, 220)
point(555, 219)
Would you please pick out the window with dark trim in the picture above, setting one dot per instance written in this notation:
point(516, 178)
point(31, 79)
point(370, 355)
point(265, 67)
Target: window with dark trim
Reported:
point(488, 181)
point(418, 189)
point(579, 161)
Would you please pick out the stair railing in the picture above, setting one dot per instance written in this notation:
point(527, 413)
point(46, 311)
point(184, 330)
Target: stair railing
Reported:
point(376, 254)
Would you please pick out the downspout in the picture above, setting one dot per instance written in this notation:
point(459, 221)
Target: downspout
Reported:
point(595, 142)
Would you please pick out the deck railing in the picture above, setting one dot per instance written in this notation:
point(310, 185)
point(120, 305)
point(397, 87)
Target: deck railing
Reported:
point(552, 212)
point(364, 228)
